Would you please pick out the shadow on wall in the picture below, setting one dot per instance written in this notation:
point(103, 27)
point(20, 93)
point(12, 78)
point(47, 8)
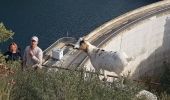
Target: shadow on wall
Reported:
point(153, 67)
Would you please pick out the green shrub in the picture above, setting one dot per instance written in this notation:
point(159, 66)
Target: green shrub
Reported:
point(5, 34)
point(68, 85)
point(7, 80)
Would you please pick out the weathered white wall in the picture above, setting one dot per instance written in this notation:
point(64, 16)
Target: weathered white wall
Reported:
point(148, 41)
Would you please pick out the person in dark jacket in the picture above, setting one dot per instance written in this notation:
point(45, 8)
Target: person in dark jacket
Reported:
point(13, 53)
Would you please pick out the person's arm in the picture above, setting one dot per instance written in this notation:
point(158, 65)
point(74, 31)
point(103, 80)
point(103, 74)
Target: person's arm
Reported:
point(39, 58)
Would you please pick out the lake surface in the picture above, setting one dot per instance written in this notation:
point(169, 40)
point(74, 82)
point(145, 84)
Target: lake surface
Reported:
point(52, 19)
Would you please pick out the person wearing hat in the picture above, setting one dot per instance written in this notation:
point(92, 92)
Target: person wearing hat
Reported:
point(33, 55)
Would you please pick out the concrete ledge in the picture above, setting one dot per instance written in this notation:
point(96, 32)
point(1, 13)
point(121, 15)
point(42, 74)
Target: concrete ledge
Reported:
point(123, 19)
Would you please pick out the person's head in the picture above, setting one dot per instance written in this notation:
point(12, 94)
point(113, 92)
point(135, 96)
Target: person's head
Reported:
point(34, 41)
point(13, 47)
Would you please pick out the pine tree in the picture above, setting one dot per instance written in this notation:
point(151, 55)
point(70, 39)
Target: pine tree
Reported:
point(5, 34)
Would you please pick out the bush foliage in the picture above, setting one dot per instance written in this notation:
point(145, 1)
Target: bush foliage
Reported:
point(5, 34)
point(68, 85)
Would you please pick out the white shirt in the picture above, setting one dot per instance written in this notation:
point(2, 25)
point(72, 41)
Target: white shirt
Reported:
point(35, 60)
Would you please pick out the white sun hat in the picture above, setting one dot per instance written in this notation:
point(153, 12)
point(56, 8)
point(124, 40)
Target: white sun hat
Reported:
point(35, 38)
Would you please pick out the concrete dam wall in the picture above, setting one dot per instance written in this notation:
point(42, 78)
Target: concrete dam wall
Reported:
point(147, 40)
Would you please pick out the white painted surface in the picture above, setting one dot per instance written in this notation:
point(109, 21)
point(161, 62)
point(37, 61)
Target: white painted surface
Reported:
point(148, 41)
point(57, 53)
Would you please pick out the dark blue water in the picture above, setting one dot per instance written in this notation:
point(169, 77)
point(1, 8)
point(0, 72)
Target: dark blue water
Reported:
point(52, 19)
